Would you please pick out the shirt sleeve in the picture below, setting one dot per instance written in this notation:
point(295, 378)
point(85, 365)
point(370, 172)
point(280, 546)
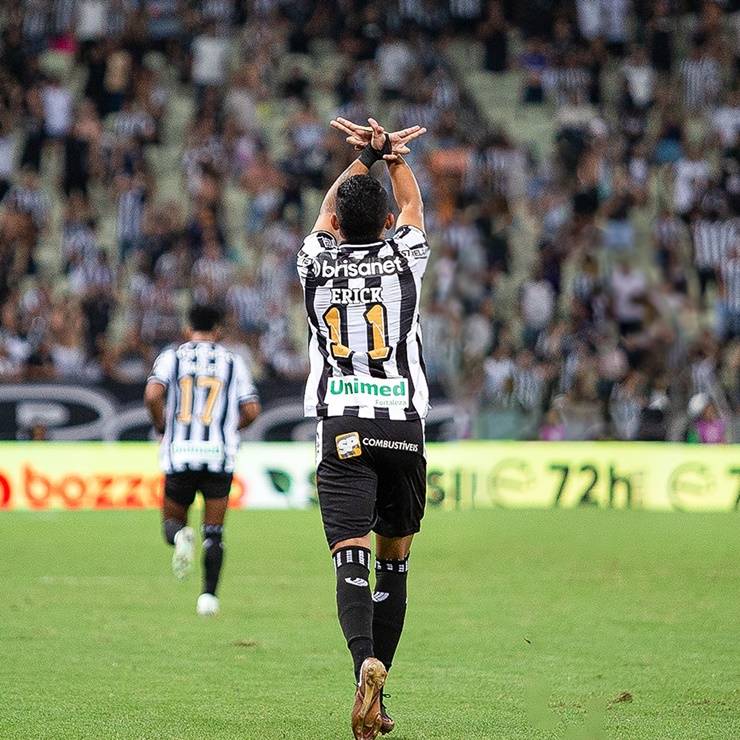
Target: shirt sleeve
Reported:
point(164, 367)
point(412, 242)
point(313, 245)
point(246, 390)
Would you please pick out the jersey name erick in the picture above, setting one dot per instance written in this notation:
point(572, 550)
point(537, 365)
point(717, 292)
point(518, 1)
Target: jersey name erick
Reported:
point(356, 296)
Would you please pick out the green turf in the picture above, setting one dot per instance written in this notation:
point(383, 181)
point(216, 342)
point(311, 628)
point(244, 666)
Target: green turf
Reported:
point(526, 624)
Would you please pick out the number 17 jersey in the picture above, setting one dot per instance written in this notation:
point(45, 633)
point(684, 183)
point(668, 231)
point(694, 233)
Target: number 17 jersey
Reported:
point(206, 384)
point(362, 302)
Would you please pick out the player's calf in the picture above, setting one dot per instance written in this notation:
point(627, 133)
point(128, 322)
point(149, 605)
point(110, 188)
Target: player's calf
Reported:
point(175, 527)
point(354, 603)
point(389, 607)
point(213, 556)
point(170, 528)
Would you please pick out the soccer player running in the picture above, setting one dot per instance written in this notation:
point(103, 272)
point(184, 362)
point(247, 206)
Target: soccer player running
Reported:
point(199, 396)
point(368, 389)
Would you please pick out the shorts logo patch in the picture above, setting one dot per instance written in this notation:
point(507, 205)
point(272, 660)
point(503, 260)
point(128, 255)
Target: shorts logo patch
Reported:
point(348, 445)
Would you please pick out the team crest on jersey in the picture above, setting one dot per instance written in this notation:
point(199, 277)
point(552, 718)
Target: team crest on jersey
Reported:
point(348, 445)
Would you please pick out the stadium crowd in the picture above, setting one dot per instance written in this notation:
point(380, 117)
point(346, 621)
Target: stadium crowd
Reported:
point(584, 287)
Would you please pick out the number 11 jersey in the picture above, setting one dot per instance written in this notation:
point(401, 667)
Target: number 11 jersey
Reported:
point(365, 349)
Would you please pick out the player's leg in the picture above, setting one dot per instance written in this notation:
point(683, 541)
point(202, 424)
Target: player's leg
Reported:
point(389, 596)
point(389, 605)
point(401, 501)
point(174, 518)
point(179, 493)
point(347, 485)
point(354, 602)
point(216, 501)
point(213, 546)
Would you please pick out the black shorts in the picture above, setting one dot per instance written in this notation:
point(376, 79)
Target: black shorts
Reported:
point(182, 487)
point(371, 476)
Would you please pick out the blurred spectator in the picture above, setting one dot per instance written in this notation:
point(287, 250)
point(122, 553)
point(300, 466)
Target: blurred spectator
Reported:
point(552, 428)
point(537, 305)
point(640, 77)
point(57, 101)
point(708, 426)
point(210, 57)
point(726, 119)
point(660, 37)
point(626, 404)
point(692, 178)
point(91, 21)
point(628, 286)
point(494, 33)
point(132, 198)
point(712, 237)
point(729, 303)
point(701, 78)
point(394, 59)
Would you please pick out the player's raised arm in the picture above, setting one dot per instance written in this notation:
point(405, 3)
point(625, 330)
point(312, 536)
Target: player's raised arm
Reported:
point(374, 144)
point(405, 188)
point(371, 152)
point(407, 194)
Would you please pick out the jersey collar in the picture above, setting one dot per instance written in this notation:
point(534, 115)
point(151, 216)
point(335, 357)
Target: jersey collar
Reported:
point(347, 245)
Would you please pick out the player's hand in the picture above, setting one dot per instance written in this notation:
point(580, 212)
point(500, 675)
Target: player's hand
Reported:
point(377, 137)
point(361, 136)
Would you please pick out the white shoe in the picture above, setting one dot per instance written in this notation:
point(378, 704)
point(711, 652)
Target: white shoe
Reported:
point(182, 558)
point(207, 605)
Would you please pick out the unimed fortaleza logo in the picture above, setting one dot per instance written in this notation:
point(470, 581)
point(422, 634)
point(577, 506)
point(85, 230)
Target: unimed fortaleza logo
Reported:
point(355, 391)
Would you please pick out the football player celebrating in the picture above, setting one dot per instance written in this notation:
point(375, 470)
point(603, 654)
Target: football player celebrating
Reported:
point(367, 386)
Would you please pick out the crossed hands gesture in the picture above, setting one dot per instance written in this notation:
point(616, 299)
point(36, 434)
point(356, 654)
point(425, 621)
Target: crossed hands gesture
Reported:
point(374, 134)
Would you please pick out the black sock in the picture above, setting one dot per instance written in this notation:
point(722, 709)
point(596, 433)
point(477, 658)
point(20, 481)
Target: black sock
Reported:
point(354, 603)
point(389, 607)
point(213, 556)
point(171, 528)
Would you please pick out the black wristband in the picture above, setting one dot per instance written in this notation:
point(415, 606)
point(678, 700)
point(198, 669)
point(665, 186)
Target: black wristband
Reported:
point(387, 148)
point(369, 156)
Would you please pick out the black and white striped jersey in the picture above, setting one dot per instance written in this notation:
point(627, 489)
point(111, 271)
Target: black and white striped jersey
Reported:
point(712, 241)
point(731, 284)
point(205, 386)
point(365, 347)
point(702, 81)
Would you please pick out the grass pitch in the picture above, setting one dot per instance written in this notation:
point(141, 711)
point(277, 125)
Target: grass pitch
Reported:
point(527, 624)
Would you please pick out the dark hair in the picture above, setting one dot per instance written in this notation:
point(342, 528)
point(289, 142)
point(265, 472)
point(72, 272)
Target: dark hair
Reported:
point(362, 207)
point(204, 317)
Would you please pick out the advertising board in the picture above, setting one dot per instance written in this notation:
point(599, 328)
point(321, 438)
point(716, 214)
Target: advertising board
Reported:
point(460, 475)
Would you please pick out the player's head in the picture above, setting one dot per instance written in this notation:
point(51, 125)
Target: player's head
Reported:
point(205, 319)
point(362, 210)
